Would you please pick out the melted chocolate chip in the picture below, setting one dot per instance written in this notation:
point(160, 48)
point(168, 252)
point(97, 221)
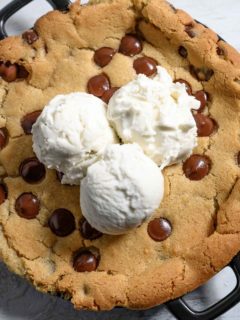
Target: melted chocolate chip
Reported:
point(130, 45)
point(29, 120)
point(3, 138)
point(30, 36)
point(103, 56)
point(22, 73)
point(183, 52)
point(220, 51)
point(87, 231)
point(187, 85)
point(205, 125)
point(196, 167)
point(190, 31)
point(62, 222)
point(202, 74)
point(27, 206)
point(159, 229)
point(86, 260)
point(32, 170)
point(238, 158)
point(10, 72)
point(98, 85)
point(3, 193)
point(108, 94)
point(145, 65)
point(201, 96)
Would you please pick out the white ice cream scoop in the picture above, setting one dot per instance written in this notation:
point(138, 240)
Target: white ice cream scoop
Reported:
point(72, 133)
point(122, 190)
point(156, 114)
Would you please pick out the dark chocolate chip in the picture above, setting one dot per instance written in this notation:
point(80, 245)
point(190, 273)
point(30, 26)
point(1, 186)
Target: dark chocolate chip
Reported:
point(220, 51)
point(145, 65)
point(183, 52)
point(29, 120)
point(10, 72)
point(62, 222)
point(27, 206)
point(202, 74)
point(108, 94)
point(86, 260)
point(238, 158)
point(130, 45)
point(87, 231)
point(159, 229)
point(205, 125)
point(201, 96)
point(196, 167)
point(190, 31)
point(3, 193)
point(187, 85)
point(22, 72)
point(3, 138)
point(97, 85)
point(103, 56)
point(30, 36)
point(31, 170)
point(2, 68)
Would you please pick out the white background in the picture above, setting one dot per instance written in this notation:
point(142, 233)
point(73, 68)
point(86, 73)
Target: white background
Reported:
point(18, 300)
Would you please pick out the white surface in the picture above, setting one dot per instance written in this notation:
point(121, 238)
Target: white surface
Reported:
point(156, 114)
point(19, 301)
point(122, 190)
point(71, 134)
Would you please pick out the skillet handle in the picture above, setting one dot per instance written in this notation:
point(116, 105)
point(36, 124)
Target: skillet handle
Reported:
point(16, 5)
point(182, 311)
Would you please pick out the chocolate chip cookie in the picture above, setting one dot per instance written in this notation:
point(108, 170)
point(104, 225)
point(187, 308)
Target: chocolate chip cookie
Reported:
point(196, 231)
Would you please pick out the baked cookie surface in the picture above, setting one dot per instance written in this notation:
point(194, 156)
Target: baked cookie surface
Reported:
point(65, 53)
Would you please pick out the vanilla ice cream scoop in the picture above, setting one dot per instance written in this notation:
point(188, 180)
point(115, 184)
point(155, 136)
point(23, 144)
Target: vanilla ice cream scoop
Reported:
point(122, 190)
point(72, 133)
point(156, 114)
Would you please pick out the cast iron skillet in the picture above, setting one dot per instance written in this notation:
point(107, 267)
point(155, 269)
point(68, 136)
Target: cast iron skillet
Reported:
point(178, 307)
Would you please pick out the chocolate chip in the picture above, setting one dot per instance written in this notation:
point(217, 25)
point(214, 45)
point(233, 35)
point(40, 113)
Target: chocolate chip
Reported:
point(130, 45)
point(30, 36)
point(3, 138)
point(201, 96)
point(103, 56)
point(159, 229)
point(27, 206)
point(238, 158)
point(183, 52)
point(32, 170)
point(62, 222)
point(2, 68)
point(187, 85)
point(205, 125)
point(145, 65)
point(29, 120)
point(3, 193)
point(220, 51)
point(87, 231)
point(86, 260)
point(196, 167)
point(108, 94)
point(202, 74)
point(190, 31)
point(10, 72)
point(97, 85)
point(22, 72)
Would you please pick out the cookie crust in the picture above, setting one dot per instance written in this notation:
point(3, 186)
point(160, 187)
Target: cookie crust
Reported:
point(134, 271)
